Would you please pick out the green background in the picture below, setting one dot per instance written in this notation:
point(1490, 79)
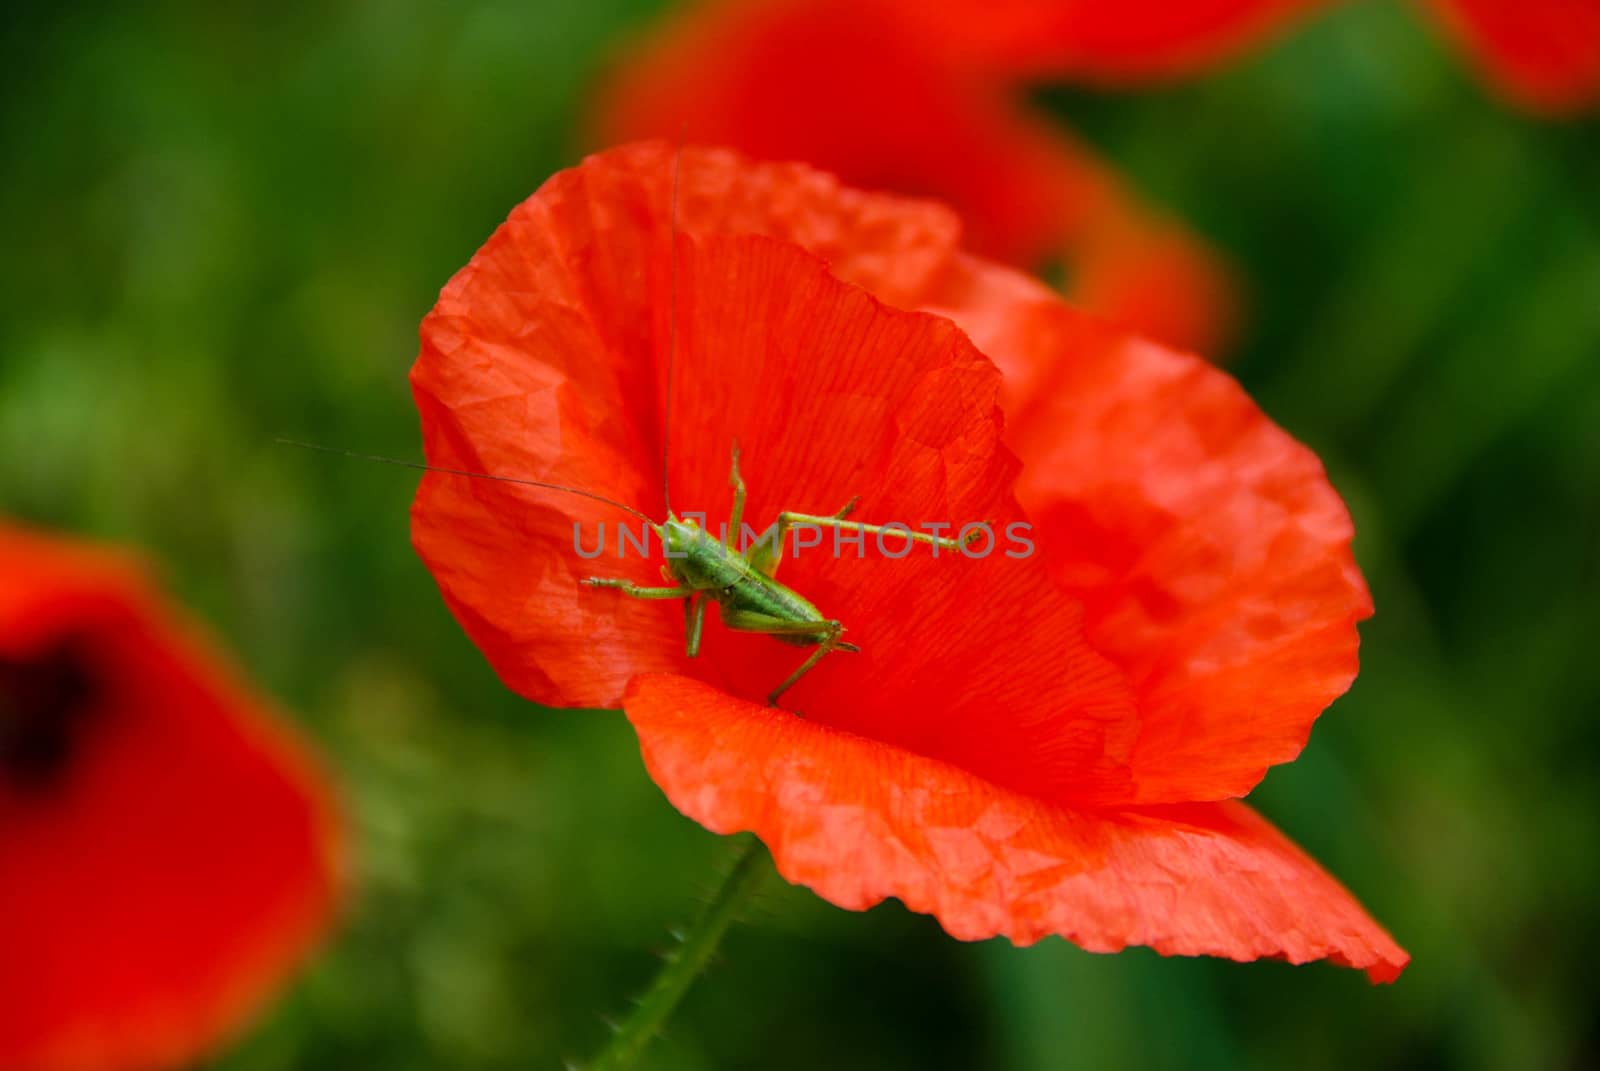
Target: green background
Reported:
point(224, 225)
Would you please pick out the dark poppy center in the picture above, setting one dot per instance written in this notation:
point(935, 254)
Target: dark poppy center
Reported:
point(44, 701)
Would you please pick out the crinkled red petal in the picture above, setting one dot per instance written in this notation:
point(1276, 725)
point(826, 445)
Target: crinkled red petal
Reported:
point(1543, 54)
point(856, 89)
point(831, 396)
point(546, 359)
point(859, 821)
point(1207, 545)
point(162, 884)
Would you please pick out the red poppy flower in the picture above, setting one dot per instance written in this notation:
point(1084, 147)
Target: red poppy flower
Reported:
point(861, 90)
point(166, 850)
point(1542, 54)
point(1022, 746)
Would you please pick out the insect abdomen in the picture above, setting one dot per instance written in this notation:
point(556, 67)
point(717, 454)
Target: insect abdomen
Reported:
point(729, 578)
point(760, 594)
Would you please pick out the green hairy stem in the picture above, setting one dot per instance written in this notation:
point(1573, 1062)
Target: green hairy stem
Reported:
point(684, 963)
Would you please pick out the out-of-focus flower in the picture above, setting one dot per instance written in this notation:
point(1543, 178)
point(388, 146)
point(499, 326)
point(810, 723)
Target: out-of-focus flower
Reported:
point(1025, 746)
point(168, 853)
point(1093, 41)
point(1541, 54)
point(866, 90)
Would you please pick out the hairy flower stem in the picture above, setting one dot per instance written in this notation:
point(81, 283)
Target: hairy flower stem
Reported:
point(684, 963)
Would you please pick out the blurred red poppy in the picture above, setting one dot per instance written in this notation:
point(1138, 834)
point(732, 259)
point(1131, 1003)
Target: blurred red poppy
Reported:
point(1024, 746)
point(1091, 41)
point(864, 91)
point(167, 851)
point(1541, 54)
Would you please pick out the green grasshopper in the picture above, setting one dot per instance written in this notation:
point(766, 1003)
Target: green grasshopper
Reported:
point(744, 584)
point(701, 569)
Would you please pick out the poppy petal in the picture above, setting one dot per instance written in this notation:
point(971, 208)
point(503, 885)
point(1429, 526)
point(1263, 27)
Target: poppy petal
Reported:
point(834, 397)
point(1237, 625)
point(859, 821)
point(854, 89)
point(831, 395)
point(545, 359)
point(1208, 547)
point(161, 883)
point(1543, 54)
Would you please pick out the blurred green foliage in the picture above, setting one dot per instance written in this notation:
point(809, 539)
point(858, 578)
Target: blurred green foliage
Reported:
point(223, 223)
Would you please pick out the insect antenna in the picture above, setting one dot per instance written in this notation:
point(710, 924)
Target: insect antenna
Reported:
point(672, 323)
point(580, 492)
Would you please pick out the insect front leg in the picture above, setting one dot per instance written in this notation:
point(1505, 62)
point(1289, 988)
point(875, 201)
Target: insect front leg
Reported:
point(634, 591)
point(694, 622)
point(827, 633)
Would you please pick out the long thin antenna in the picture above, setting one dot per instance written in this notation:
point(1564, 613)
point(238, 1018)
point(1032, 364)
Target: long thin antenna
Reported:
point(672, 324)
point(462, 472)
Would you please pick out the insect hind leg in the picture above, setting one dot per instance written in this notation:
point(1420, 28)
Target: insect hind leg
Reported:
point(768, 551)
point(828, 633)
point(831, 643)
point(694, 621)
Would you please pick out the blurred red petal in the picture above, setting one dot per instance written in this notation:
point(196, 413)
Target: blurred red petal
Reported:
point(1543, 54)
point(857, 90)
point(859, 821)
point(840, 88)
point(160, 885)
point(1156, 279)
point(1130, 41)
